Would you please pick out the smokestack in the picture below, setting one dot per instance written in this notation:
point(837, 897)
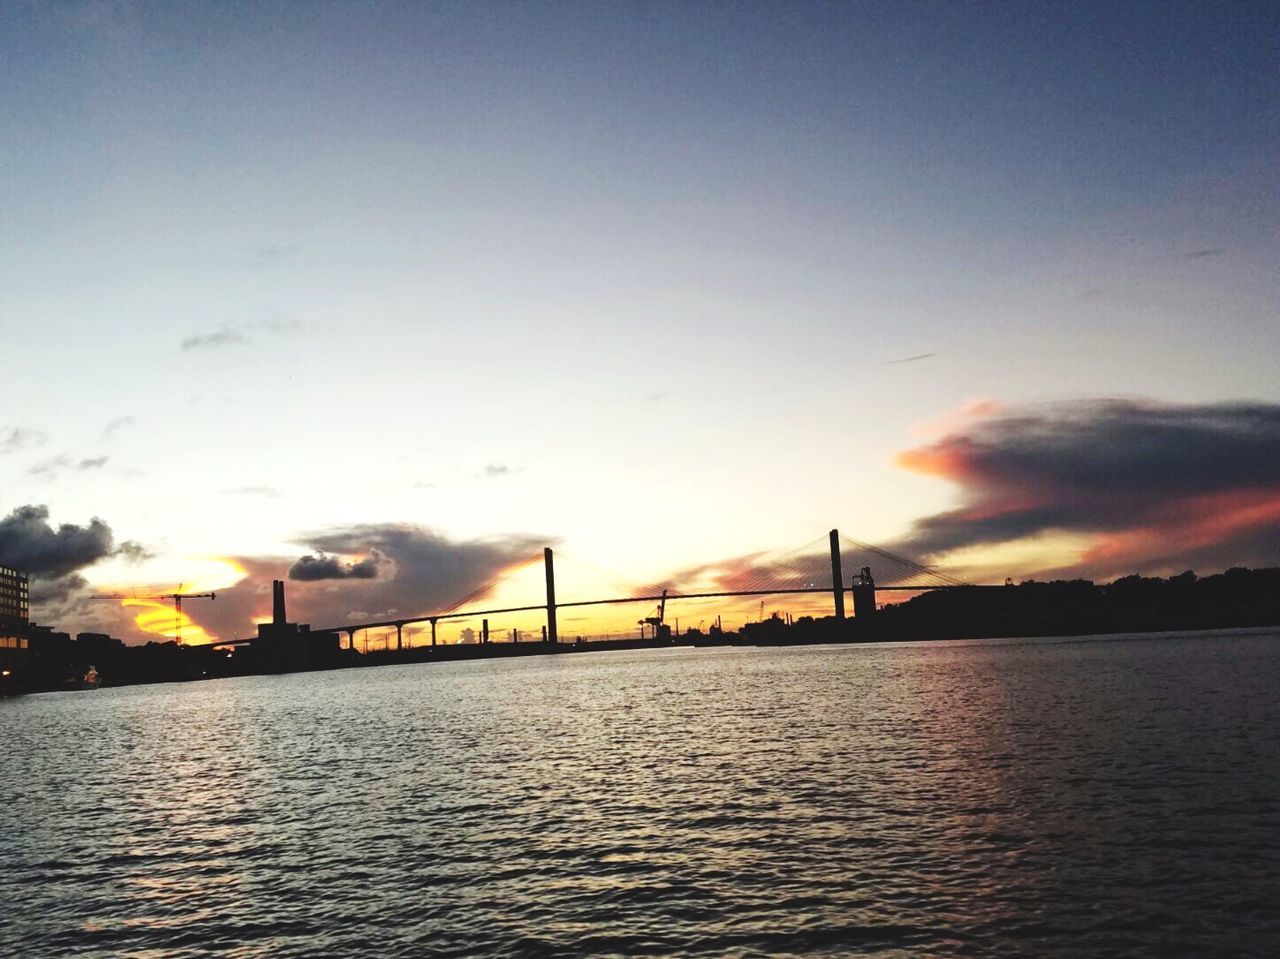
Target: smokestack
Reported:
point(277, 602)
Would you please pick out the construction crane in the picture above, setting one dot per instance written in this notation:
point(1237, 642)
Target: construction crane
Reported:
point(176, 598)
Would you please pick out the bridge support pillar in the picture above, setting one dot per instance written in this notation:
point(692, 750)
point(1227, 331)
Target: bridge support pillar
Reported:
point(399, 636)
point(484, 631)
point(837, 577)
point(351, 639)
point(548, 560)
point(433, 632)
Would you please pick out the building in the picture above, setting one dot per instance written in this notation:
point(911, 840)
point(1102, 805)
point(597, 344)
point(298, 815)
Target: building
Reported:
point(285, 647)
point(15, 652)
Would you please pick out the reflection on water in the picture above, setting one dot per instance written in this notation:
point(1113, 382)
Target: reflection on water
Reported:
point(1048, 798)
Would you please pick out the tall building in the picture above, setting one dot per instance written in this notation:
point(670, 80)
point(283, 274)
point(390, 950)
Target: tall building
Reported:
point(14, 651)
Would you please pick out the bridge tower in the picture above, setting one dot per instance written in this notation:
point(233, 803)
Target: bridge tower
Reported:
point(548, 560)
point(837, 577)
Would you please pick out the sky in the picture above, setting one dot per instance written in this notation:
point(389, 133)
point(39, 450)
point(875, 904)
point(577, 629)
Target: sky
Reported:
point(414, 290)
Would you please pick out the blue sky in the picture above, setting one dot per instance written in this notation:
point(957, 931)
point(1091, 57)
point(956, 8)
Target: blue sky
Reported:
point(629, 276)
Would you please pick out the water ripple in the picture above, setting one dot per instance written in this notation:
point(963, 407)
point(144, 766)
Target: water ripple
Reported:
point(1045, 798)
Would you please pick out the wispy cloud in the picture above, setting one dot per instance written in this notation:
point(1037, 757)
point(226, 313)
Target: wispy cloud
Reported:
point(499, 470)
point(269, 254)
point(15, 438)
point(117, 424)
point(267, 492)
point(54, 466)
point(215, 340)
point(276, 324)
point(51, 467)
point(912, 359)
point(240, 334)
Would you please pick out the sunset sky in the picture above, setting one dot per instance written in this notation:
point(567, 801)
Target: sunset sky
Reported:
point(427, 287)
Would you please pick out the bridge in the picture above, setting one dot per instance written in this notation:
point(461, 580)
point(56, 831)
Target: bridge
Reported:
point(800, 572)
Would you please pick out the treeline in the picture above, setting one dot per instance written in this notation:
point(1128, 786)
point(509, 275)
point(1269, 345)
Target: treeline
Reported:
point(1235, 598)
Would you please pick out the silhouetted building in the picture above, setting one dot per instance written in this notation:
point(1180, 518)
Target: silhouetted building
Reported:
point(864, 596)
point(15, 650)
point(284, 647)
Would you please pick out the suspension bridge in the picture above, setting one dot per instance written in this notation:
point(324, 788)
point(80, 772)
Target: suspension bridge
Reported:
point(806, 570)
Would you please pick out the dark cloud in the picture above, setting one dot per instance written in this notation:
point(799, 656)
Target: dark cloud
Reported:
point(133, 552)
point(912, 359)
point(94, 463)
point(1151, 485)
point(312, 568)
point(419, 571)
point(215, 340)
point(15, 438)
point(28, 542)
point(1201, 254)
point(47, 595)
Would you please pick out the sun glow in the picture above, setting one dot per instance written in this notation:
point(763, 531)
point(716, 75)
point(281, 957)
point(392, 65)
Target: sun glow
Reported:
point(159, 619)
point(158, 615)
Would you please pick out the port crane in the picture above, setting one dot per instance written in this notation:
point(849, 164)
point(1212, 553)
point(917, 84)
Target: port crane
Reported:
point(657, 621)
point(175, 597)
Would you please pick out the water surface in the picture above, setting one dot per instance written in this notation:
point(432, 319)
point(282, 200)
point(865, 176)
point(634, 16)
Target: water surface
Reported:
point(1062, 798)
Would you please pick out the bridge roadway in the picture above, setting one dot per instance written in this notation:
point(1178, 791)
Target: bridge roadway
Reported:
point(399, 624)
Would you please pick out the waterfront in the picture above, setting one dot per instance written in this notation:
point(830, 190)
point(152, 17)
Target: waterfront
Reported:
point(1074, 797)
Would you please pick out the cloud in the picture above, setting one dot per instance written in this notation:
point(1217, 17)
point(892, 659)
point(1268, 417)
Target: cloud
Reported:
point(242, 333)
point(1201, 254)
point(29, 543)
point(56, 593)
point(51, 467)
point(54, 466)
point(912, 359)
point(268, 492)
point(117, 424)
point(269, 253)
point(15, 438)
point(133, 552)
point(215, 340)
point(312, 568)
point(419, 571)
point(1148, 485)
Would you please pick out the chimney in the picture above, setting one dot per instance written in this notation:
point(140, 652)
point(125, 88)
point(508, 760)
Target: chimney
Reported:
point(277, 602)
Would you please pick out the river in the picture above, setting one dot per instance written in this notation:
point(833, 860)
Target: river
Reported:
point(1109, 796)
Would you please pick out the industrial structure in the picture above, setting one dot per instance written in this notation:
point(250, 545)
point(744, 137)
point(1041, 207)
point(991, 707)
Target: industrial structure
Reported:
point(285, 647)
